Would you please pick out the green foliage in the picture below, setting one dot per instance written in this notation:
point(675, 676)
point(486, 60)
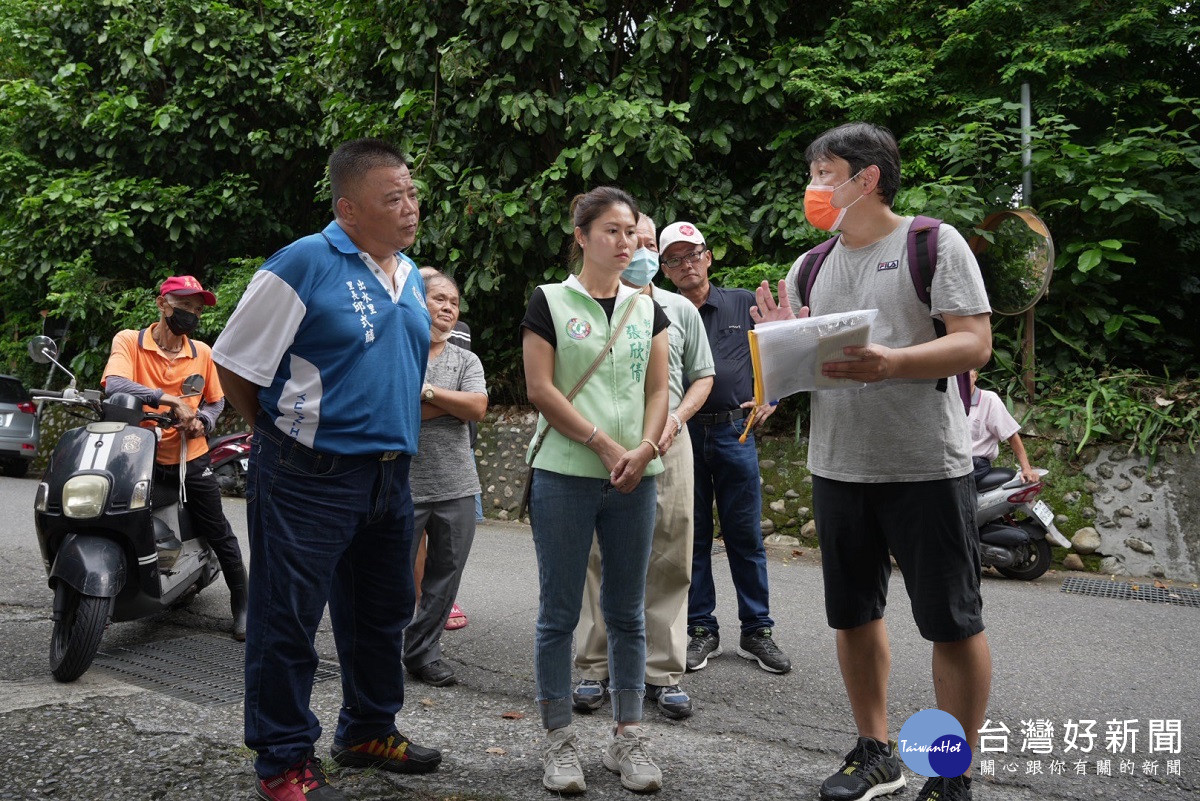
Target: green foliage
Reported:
point(510, 109)
point(1116, 146)
point(140, 140)
point(143, 139)
point(748, 277)
point(1085, 406)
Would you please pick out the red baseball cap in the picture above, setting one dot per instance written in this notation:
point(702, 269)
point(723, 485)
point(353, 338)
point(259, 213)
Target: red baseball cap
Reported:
point(187, 285)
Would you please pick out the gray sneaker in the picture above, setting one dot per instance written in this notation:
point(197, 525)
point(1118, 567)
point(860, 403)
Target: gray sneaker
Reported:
point(626, 754)
point(589, 695)
point(561, 760)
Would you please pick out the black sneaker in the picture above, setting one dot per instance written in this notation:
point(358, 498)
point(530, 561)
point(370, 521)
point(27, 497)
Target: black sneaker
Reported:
point(589, 695)
point(671, 699)
point(395, 753)
point(871, 769)
point(436, 674)
point(760, 646)
point(956, 788)
point(701, 646)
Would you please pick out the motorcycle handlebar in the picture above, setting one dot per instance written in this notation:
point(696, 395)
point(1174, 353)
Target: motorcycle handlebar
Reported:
point(45, 393)
point(166, 420)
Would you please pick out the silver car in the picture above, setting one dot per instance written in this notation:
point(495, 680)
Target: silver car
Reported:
point(18, 427)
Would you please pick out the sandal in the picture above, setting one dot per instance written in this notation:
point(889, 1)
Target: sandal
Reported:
point(457, 620)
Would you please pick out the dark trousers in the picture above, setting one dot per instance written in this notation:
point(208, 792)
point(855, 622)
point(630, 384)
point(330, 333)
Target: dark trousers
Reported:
point(451, 529)
point(727, 470)
point(980, 467)
point(203, 505)
point(333, 529)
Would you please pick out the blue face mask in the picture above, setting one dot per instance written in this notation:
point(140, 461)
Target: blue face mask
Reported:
point(642, 267)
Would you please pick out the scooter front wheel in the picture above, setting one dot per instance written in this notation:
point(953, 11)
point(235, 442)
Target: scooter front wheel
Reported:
point(76, 636)
point(1036, 562)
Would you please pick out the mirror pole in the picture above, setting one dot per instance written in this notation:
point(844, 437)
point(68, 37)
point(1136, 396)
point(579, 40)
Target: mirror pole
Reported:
point(1026, 148)
point(1027, 356)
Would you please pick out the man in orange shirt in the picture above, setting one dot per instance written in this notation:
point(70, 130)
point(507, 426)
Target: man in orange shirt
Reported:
point(151, 365)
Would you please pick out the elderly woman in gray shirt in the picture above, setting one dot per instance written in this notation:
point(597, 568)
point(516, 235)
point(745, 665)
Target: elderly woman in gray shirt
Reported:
point(444, 480)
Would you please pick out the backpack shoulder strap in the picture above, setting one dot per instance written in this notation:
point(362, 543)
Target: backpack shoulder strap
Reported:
point(922, 264)
point(810, 266)
point(922, 255)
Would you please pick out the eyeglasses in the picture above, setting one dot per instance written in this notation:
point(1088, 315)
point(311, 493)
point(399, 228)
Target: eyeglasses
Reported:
point(689, 259)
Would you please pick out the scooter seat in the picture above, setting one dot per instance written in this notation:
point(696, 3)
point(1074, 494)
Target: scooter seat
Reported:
point(997, 476)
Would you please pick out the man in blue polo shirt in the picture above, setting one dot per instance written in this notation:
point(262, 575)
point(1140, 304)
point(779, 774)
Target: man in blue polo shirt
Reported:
point(326, 354)
point(725, 469)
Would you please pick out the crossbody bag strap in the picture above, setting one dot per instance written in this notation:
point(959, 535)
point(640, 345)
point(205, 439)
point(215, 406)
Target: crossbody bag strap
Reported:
point(587, 373)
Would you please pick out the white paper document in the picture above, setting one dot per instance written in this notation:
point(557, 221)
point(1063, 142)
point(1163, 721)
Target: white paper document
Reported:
point(788, 354)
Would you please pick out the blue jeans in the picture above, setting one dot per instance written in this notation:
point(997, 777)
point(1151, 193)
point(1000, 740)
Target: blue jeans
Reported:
point(323, 528)
point(728, 470)
point(565, 511)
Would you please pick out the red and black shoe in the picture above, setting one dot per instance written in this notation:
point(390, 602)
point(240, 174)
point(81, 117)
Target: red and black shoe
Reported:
point(304, 781)
point(393, 752)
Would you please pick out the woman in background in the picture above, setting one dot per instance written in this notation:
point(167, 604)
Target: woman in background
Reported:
point(444, 481)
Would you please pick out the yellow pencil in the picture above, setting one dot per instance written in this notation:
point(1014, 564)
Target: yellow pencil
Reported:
point(749, 424)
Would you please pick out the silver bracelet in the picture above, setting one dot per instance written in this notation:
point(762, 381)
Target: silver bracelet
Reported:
point(591, 436)
point(678, 422)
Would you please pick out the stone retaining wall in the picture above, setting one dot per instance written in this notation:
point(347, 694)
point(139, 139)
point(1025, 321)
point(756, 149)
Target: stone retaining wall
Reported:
point(1144, 520)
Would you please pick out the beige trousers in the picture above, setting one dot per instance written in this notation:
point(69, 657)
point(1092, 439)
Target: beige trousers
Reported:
point(667, 581)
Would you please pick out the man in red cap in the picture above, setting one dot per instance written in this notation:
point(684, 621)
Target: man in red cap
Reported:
point(151, 365)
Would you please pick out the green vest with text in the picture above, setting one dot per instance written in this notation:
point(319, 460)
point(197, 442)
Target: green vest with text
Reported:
point(614, 398)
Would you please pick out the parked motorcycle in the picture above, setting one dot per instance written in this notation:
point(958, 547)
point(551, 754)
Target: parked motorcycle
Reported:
point(114, 545)
point(230, 455)
point(1015, 527)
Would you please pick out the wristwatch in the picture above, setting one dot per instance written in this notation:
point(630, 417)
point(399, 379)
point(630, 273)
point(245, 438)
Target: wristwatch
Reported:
point(427, 393)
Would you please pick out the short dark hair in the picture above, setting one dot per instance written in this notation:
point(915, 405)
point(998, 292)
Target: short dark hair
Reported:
point(586, 208)
point(862, 144)
point(354, 159)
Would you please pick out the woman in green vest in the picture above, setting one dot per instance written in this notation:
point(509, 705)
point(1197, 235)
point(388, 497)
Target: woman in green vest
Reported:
point(595, 356)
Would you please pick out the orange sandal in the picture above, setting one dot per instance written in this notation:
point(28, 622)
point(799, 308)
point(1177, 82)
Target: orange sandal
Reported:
point(457, 619)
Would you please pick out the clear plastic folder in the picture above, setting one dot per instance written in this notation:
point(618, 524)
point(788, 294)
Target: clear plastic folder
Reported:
point(787, 355)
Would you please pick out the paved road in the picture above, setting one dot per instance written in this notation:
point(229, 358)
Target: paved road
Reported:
point(1058, 657)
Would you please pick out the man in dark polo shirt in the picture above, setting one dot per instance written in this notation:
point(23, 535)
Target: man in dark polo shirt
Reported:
point(725, 469)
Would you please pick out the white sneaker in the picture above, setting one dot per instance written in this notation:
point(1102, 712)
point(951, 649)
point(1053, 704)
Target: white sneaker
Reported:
point(626, 754)
point(563, 773)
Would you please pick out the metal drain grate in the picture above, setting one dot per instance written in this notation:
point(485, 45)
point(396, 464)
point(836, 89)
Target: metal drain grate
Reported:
point(202, 669)
point(1126, 591)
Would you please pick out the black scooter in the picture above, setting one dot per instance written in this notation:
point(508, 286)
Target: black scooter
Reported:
point(114, 545)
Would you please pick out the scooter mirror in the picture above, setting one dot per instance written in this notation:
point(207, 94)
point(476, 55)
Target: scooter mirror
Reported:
point(42, 349)
point(192, 385)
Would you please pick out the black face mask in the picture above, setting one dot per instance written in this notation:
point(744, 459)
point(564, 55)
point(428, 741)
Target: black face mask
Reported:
point(182, 322)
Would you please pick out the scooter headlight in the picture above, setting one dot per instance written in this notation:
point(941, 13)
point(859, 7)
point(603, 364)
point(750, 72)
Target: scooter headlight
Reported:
point(84, 496)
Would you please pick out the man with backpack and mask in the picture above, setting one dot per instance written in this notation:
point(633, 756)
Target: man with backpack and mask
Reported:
point(891, 462)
